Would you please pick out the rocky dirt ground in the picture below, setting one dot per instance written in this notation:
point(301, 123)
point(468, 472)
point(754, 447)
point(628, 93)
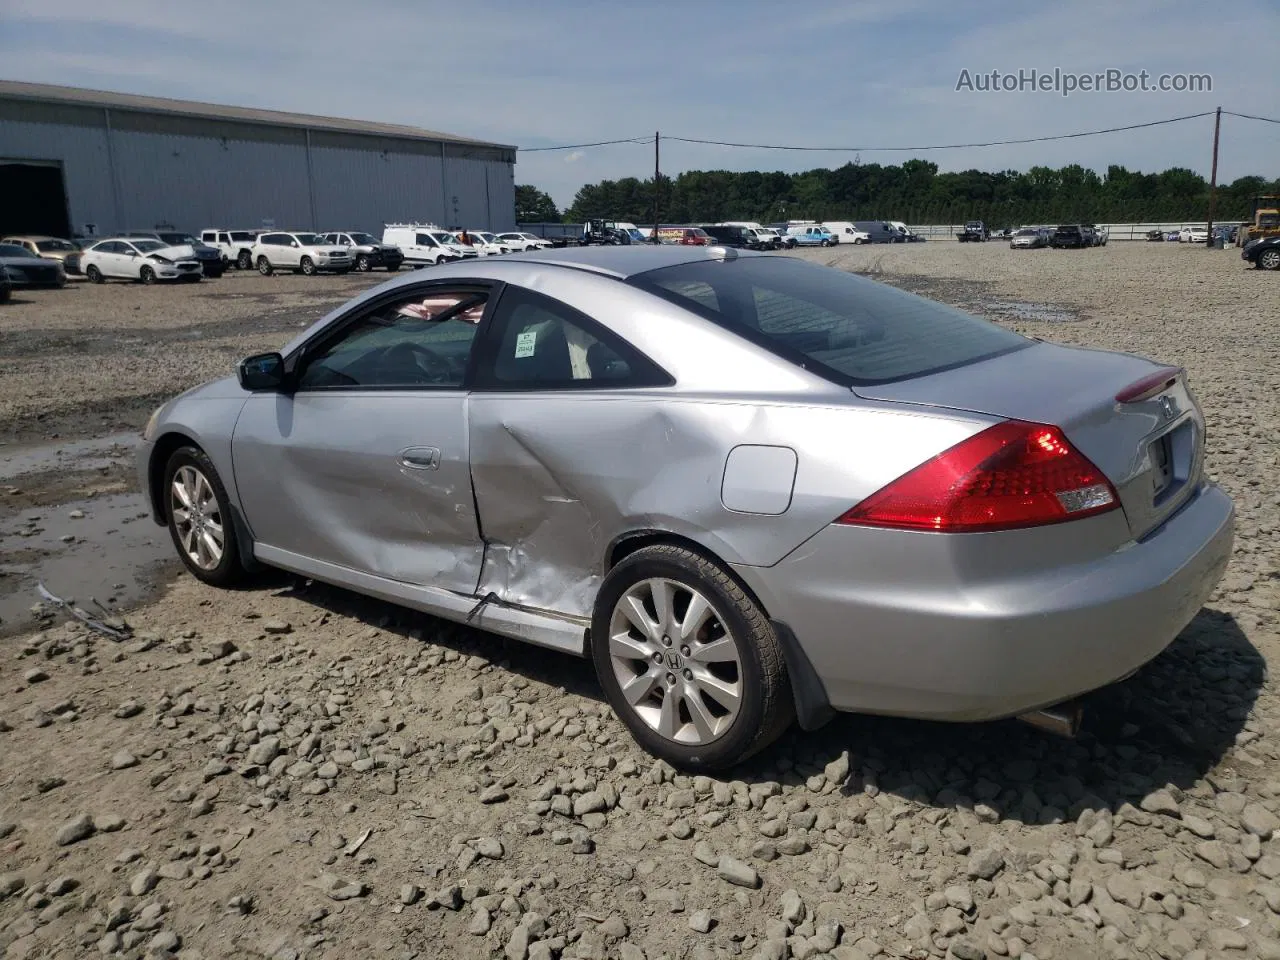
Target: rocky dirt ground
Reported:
point(290, 771)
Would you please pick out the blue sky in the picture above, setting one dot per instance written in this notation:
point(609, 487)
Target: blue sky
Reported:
point(858, 72)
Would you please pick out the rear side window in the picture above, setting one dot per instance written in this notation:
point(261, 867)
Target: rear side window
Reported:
point(845, 327)
point(538, 343)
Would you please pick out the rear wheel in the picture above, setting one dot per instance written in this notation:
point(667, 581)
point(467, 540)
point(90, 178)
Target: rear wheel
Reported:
point(688, 660)
point(308, 266)
point(1269, 260)
point(244, 261)
point(199, 515)
point(264, 266)
point(147, 275)
point(94, 274)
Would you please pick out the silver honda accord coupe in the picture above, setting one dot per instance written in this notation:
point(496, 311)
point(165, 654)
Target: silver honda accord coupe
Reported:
point(752, 489)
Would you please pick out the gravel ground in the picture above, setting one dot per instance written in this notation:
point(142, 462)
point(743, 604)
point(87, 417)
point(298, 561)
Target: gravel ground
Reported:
point(290, 771)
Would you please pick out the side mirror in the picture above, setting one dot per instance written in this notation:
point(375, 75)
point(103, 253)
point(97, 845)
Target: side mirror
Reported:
point(264, 371)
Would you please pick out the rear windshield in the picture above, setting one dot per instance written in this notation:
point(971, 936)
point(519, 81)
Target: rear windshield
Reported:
point(845, 327)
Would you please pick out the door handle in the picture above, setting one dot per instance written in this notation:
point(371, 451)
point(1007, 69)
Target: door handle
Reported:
point(420, 458)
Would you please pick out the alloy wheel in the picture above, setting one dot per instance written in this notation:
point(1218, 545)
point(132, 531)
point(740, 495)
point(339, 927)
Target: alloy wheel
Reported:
point(196, 517)
point(675, 661)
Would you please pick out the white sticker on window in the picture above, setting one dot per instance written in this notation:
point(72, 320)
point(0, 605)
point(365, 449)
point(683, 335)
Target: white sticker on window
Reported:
point(525, 343)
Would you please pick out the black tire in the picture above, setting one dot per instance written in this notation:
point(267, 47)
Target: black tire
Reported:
point(308, 266)
point(264, 266)
point(229, 570)
point(6, 292)
point(363, 263)
point(393, 267)
point(767, 707)
point(147, 275)
point(1269, 259)
point(244, 261)
point(94, 274)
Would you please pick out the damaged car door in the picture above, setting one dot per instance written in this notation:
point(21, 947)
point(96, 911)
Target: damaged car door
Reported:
point(362, 463)
point(548, 384)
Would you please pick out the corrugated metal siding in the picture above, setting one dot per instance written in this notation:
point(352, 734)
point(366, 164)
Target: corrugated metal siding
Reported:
point(195, 174)
point(82, 150)
point(465, 184)
point(502, 196)
point(363, 189)
point(197, 182)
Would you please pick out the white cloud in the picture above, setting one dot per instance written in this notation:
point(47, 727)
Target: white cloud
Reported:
point(574, 156)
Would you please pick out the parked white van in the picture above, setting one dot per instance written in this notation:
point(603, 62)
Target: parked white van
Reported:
point(846, 232)
point(425, 243)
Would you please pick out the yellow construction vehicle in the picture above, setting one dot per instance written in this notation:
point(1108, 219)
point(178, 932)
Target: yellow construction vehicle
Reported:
point(1266, 220)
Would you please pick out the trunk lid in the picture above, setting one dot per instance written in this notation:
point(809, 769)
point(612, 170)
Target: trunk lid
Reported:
point(1152, 449)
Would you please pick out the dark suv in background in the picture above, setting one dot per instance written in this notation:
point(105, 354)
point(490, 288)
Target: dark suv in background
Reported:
point(734, 237)
point(1069, 236)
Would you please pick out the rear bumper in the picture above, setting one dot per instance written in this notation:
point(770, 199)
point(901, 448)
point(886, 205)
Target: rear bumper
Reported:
point(965, 643)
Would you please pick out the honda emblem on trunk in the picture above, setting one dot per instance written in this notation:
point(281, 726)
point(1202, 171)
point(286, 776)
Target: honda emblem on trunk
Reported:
point(1169, 407)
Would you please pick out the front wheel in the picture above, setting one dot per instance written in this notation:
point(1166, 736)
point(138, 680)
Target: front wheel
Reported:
point(308, 266)
point(147, 275)
point(94, 274)
point(199, 516)
point(688, 660)
point(244, 261)
point(264, 266)
point(1269, 260)
point(363, 264)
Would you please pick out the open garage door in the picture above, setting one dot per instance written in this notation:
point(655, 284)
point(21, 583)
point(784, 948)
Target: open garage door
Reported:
point(35, 199)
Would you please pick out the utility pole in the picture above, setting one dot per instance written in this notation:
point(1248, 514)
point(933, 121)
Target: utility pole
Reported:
point(657, 139)
point(1213, 176)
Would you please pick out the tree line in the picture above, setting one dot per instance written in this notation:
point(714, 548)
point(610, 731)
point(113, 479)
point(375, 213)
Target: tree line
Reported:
point(914, 192)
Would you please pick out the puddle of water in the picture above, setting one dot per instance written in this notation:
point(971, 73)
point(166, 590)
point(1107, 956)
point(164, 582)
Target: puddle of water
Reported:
point(114, 543)
point(1031, 312)
point(79, 455)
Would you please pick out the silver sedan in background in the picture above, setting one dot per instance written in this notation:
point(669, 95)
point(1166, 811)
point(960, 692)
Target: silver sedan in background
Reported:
point(750, 488)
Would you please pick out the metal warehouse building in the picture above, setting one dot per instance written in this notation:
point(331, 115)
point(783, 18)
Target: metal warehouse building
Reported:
point(88, 162)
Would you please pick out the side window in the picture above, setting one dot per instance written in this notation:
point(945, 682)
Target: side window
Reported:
point(424, 240)
point(208, 237)
point(418, 341)
point(538, 343)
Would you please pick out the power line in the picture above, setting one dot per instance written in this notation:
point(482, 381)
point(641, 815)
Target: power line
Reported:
point(1249, 116)
point(946, 146)
point(580, 146)
point(905, 149)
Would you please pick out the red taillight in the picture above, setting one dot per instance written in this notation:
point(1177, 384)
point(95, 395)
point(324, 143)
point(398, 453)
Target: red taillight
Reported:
point(1014, 474)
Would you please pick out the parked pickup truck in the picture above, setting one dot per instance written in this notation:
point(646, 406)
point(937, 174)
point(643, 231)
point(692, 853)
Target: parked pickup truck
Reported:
point(366, 250)
point(236, 246)
point(975, 231)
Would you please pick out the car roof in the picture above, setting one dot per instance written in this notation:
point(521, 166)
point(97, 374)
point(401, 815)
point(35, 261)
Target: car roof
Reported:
point(623, 262)
point(31, 236)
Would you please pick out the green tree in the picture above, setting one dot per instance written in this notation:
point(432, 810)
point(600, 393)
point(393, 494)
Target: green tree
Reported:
point(534, 206)
point(918, 193)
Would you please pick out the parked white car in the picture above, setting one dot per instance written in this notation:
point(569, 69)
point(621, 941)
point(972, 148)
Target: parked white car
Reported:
point(236, 246)
point(308, 253)
point(425, 244)
point(524, 241)
point(486, 244)
point(122, 258)
point(1193, 235)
